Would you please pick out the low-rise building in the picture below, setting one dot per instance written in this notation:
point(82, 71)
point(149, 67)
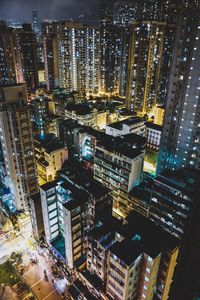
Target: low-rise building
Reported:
point(85, 115)
point(50, 155)
point(131, 125)
point(85, 140)
point(141, 195)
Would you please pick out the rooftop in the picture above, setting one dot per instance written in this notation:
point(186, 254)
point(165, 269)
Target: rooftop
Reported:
point(140, 235)
point(154, 239)
point(185, 179)
point(93, 279)
point(109, 225)
point(130, 145)
point(49, 185)
point(69, 123)
point(77, 290)
point(78, 199)
point(143, 190)
point(35, 197)
point(93, 132)
point(49, 142)
point(73, 171)
point(154, 126)
point(129, 122)
point(87, 107)
point(80, 109)
point(119, 249)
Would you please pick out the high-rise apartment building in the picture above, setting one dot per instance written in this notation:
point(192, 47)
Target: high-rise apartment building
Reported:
point(100, 202)
point(165, 10)
point(70, 207)
point(175, 206)
point(64, 210)
point(106, 13)
point(26, 56)
point(115, 35)
point(155, 9)
point(72, 57)
point(92, 60)
point(42, 109)
point(148, 67)
point(7, 55)
point(191, 3)
point(173, 200)
point(126, 12)
point(17, 145)
point(50, 54)
point(35, 25)
point(37, 30)
point(118, 164)
point(180, 143)
point(114, 59)
point(161, 10)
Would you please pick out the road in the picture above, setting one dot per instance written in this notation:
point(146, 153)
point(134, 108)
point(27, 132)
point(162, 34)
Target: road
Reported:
point(10, 242)
point(34, 277)
point(33, 274)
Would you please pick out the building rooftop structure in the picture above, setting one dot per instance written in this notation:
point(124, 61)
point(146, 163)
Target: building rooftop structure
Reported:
point(74, 171)
point(49, 142)
point(78, 290)
point(109, 225)
point(92, 278)
point(84, 108)
point(138, 235)
point(35, 197)
point(69, 123)
point(134, 247)
point(80, 109)
point(130, 145)
point(129, 122)
point(154, 126)
point(49, 185)
point(143, 190)
point(94, 132)
point(185, 179)
point(77, 198)
point(137, 225)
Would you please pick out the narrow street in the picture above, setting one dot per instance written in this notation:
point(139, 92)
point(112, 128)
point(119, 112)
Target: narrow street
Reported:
point(35, 262)
point(35, 279)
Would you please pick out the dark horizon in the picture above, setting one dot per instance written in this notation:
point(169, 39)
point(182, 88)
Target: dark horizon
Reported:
point(21, 10)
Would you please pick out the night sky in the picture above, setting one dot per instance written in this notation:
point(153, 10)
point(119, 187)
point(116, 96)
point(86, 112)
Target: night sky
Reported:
point(21, 10)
